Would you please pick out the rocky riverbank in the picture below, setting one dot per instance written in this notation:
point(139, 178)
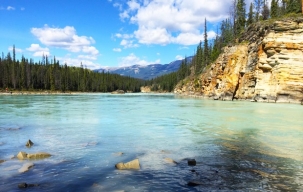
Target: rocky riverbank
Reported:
point(266, 66)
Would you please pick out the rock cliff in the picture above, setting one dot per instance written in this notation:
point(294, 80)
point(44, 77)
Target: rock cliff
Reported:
point(266, 66)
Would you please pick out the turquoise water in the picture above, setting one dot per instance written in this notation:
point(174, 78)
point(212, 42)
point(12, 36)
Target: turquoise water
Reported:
point(237, 145)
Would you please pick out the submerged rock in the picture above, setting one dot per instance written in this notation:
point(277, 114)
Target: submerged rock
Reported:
point(26, 167)
point(119, 154)
point(29, 143)
point(191, 162)
point(25, 185)
point(169, 160)
point(194, 183)
point(134, 164)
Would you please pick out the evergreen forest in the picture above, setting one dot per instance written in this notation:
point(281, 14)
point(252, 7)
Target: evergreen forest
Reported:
point(26, 75)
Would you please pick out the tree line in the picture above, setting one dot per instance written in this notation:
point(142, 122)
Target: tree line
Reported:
point(48, 74)
point(228, 32)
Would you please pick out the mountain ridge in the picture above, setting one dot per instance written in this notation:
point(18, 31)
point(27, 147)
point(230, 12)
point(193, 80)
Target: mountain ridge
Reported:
point(145, 72)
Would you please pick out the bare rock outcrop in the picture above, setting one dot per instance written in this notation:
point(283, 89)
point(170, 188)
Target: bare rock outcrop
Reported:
point(266, 66)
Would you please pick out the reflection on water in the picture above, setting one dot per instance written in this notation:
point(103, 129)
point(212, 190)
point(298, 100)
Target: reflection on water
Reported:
point(237, 145)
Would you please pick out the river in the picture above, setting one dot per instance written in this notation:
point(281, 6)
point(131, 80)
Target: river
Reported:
point(240, 146)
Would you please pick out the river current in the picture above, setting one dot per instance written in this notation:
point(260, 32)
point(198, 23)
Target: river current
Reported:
point(238, 146)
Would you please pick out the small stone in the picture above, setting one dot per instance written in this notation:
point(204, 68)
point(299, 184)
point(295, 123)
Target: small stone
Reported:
point(22, 185)
point(29, 143)
point(191, 162)
point(194, 183)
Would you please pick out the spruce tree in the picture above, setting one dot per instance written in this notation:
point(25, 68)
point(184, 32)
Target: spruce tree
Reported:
point(265, 11)
point(206, 48)
point(274, 9)
point(294, 6)
point(240, 17)
point(250, 19)
point(258, 7)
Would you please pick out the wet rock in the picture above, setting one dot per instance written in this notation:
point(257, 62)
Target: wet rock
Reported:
point(169, 160)
point(134, 164)
point(29, 143)
point(22, 185)
point(118, 92)
point(191, 162)
point(119, 154)
point(1, 161)
point(40, 155)
point(25, 167)
point(22, 155)
point(25, 185)
point(194, 183)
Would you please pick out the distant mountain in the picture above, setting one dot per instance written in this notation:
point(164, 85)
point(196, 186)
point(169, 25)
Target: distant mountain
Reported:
point(145, 72)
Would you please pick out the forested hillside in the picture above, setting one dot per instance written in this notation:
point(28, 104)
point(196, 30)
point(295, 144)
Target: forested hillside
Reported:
point(26, 75)
point(228, 34)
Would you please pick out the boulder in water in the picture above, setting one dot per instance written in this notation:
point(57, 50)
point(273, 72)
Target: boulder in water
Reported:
point(40, 155)
point(1, 161)
point(134, 164)
point(29, 143)
point(169, 160)
point(26, 167)
point(22, 185)
point(194, 183)
point(25, 185)
point(191, 162)
point(22, 155)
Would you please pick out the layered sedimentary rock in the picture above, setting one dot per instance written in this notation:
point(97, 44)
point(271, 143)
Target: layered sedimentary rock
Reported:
point(267, 66)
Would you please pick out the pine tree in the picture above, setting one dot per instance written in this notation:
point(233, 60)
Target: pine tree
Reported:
point(294, 6)
point(258, 7)
point(240, 17)
point(206, 48)
point(250, 19)
point(274, 9)
point(265, 11)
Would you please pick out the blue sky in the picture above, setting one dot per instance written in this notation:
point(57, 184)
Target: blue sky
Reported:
point(112, 33)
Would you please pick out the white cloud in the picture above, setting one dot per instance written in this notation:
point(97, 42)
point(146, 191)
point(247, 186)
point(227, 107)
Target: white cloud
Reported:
point(38, 51)
point(65, 38)
point(22, 8)
point(117, 50)
point(128, 44)
point(10, 8)
point(87, 57)
point(77, 62)
point(133, 5)
point(179, 57)
point(132, 59)
point(173, 21)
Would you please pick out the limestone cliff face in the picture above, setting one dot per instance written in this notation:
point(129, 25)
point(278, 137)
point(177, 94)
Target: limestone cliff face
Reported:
point(268, 67)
